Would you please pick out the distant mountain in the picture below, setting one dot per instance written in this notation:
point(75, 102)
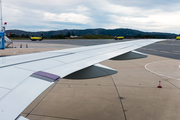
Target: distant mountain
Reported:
point(99, 31)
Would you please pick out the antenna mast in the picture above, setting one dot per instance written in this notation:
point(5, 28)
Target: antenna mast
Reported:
point(1, 14)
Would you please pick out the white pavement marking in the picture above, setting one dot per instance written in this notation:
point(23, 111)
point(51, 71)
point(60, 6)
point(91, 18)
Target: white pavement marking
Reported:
point(173, 52)
point(159, 73)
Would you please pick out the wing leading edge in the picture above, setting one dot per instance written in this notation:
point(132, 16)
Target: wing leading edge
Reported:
point(29, 75)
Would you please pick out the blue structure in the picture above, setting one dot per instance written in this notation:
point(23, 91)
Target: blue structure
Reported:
point(2, 43)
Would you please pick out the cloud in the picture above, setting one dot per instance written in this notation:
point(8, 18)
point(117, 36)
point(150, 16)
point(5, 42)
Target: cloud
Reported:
point(167, 22)
point(146, 4)
point(154, 15)
point(67, 17)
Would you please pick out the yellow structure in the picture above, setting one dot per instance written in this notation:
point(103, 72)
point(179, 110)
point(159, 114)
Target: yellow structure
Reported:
point(36, 38)
point(178, 38)
point(119, 37)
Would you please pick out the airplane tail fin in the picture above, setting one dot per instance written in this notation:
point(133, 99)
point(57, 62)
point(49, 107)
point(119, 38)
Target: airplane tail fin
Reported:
point(9, 34)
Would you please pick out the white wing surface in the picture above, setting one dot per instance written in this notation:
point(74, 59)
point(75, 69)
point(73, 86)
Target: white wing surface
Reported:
point(25, 77)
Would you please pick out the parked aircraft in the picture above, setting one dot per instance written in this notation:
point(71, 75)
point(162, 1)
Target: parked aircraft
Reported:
point(73, 36)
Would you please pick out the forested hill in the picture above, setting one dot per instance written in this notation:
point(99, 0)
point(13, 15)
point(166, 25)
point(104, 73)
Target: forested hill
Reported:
point(112, 32)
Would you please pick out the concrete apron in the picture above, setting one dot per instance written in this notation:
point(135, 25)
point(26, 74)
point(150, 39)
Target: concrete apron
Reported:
point(131, 94)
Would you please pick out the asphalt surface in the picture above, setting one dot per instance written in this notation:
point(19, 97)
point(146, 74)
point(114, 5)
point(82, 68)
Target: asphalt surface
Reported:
point(81, 42)
point(168, 48)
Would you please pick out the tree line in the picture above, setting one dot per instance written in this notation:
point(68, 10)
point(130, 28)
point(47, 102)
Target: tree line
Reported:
point(18, 36)
point(62, 36)
point(143, 36)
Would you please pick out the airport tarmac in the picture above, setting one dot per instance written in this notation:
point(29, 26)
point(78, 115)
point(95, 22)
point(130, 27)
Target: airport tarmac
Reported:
point(131, 94)
point(168, 48)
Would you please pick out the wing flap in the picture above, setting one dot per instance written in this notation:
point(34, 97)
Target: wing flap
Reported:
point(13, 103)
point(11, 77)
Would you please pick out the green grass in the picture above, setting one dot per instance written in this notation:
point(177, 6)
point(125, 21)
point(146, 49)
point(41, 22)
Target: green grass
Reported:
point(18, 38)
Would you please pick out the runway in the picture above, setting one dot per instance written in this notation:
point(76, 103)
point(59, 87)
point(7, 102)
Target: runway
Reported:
point(131, 94)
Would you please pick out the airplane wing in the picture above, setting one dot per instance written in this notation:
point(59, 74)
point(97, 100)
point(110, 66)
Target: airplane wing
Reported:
point(25, 77)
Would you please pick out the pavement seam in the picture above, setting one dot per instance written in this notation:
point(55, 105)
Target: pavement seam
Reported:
point(117, 93)
point(119, 97)
point(155, 105)
point(53, 117)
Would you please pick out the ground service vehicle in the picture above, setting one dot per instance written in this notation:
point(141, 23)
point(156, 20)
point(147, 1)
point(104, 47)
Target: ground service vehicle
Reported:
point(178, 37)
point(119, 37)
point(37, 38)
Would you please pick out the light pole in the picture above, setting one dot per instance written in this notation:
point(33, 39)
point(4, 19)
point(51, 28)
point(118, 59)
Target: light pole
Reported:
point(1, 14)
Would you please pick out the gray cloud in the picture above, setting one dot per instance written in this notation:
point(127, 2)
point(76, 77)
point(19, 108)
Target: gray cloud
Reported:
point(154, 15)
point(147, 4)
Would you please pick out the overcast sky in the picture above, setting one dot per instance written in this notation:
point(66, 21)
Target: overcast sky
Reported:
point(43, 15)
